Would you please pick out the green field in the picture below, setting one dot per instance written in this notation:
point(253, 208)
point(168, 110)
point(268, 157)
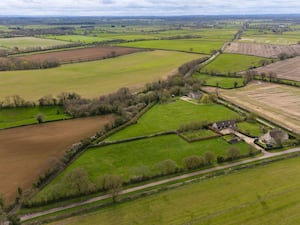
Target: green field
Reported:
point(166, 117)
point(267, 195)
point(267, 37)
point(220, 81)
point(102, 34)
point(252, 129)
point(232, 63)
point(124, 159)
point(192, 135)
point(22, 43)
point(77, 38)
point(92, 79)
point(188, 45)
point(13, 117)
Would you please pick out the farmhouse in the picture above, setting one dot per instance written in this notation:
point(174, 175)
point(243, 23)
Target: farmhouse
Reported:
point(274, 137)
point(224, 125)
point(195, 94)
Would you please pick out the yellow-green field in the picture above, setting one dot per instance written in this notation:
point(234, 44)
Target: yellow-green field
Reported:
point(92, 79)
point(22, 43)
point(263, 195)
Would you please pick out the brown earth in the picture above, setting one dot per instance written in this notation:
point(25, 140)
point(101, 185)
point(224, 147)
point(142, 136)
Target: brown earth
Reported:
point(263, 50)
point(82, 54)
point(26, 152)
point(288, 69)
point(78, 55)
point(275, 102)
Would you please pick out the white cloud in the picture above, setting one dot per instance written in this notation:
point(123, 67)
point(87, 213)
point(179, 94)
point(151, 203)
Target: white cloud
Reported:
point(146, 7)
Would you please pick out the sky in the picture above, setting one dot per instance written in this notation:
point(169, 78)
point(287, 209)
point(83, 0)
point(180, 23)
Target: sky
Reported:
point(146, 7)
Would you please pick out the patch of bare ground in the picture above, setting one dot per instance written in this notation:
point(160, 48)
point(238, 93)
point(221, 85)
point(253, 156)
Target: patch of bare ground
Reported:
point(288, 69)
point(277, 103)
point(263, 50)
point(26, 152)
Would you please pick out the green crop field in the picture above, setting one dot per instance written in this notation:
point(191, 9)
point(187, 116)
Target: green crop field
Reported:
point(267, 37)
point(77, 38)
point(29, 42)
point(13, 117)
point(92, 79)
point(125, 158)
point(220, 81)
point(231, 63)
point(260, 195)
point(166, 117)
point(188, 45)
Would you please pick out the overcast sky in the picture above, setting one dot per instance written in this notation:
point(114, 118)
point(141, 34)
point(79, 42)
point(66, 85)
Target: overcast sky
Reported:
point(146, 7)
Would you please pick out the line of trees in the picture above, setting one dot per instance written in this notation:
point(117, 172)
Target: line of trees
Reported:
point(16, 63)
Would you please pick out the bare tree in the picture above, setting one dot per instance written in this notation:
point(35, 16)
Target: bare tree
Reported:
point(233, 152)
point(113, 184)
point(209, 157)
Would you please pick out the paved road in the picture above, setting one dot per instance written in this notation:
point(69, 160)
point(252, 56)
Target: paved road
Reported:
point(153, 184)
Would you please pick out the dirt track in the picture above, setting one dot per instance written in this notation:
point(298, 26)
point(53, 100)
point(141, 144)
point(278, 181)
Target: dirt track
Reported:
point(263, 50)
point(287, 69)
point(82, 54)
point(26, 152)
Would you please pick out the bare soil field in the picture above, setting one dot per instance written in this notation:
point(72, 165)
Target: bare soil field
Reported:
point(278, 103)
point(288, 69)
point(26, 152)
point(82, 54)
point(263, 50)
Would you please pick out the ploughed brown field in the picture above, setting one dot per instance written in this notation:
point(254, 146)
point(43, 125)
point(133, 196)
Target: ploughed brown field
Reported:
point(263, 50)
point(275, 102)
point(26, 152)
point(288, 69)
point(80, 55)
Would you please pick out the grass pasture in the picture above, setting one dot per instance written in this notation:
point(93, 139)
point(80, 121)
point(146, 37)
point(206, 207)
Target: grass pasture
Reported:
point(277, 103)
point(166, 117)
point(261, 195)
point(76, 38)
point(13, 117)
point(26, 152)
point(220, 81)
point(232, 63)
point(92, 79)
point(123, 159)
point(187, 45)
point(252, 129)
point(23, 43)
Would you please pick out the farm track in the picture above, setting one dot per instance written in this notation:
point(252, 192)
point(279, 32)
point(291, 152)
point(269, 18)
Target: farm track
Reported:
point(157, 183)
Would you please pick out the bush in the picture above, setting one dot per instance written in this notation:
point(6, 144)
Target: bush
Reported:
point(166, 167)
point(193, 162)
point(209, 157)
point(233, 153)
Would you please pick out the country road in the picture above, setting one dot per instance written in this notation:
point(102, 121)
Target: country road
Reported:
point(153, 184)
